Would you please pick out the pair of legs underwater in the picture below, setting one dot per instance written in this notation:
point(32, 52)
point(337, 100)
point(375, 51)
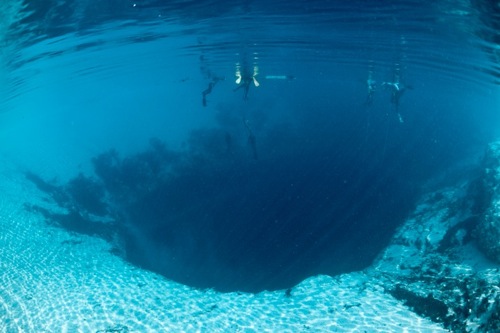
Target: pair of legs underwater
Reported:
point(208, 91)
point(245, 77)
point(395, 87)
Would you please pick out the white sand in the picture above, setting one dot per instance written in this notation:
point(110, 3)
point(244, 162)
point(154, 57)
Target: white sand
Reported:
point(52, 281)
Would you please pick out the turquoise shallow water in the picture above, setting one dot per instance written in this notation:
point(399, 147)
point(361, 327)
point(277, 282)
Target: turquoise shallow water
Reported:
point(238, 147)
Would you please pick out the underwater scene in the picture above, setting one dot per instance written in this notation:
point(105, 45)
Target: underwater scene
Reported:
point(249, 166)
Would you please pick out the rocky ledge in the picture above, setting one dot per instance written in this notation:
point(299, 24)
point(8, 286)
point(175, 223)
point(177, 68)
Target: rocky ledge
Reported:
point(444, 261)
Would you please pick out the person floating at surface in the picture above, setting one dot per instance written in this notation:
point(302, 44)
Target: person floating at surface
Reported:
point(207, 91)
point(244, 80)
point(397, 90)
point(251, 140)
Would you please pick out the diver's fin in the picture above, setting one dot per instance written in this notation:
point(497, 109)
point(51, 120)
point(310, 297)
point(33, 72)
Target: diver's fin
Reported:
point(255, 82)
point(238, 79)
point(279, 77)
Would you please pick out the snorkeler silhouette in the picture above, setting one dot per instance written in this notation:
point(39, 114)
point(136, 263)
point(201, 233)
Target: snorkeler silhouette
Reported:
point(245, 78)
point(397, 89)
point(208, 91)
point(251, 140)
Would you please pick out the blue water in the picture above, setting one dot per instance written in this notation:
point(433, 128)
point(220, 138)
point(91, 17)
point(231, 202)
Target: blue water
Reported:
point(130, 111)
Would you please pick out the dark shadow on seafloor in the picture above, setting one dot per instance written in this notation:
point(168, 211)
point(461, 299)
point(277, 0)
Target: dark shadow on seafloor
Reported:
point(315, 201)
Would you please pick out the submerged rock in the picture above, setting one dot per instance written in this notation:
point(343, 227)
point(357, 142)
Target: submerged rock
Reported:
point(487, 232)
point(443, 261)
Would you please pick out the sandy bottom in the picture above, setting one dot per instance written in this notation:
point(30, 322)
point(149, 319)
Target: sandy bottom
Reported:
point(53, 281)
